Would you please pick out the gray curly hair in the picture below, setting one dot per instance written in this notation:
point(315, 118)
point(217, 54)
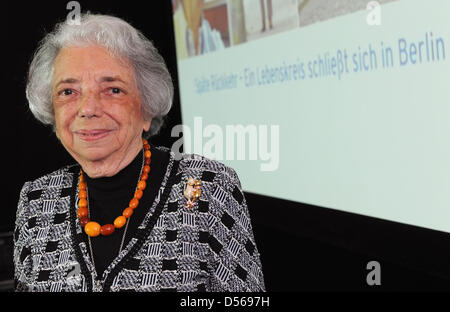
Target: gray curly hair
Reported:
point(119, 38)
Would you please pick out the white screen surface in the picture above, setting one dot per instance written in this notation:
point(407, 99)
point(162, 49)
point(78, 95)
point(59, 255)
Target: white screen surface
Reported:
point(341, 106)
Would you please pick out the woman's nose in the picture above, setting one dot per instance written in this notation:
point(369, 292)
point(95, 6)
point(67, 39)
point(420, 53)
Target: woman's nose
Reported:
point(89, 106)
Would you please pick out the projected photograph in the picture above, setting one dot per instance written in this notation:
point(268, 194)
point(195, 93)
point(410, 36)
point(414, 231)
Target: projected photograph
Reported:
point(313, 11)
point(266, 17)
point(201, 26)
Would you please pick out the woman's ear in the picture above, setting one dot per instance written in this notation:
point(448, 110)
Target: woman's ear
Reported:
point(147, 124)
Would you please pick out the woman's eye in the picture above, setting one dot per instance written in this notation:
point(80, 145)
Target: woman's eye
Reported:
point(66, 92)
point(116, 90)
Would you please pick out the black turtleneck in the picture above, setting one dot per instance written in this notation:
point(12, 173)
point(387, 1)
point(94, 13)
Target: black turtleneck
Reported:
point(109, 196)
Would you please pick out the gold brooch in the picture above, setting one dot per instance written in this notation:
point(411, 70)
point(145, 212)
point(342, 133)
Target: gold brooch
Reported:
point(192, 192)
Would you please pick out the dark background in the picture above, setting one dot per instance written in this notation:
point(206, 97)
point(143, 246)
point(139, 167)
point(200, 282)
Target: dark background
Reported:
point(302, 247)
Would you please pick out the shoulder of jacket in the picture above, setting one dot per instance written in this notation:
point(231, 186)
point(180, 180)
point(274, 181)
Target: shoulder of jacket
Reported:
point(56, 178)
point(205, 166)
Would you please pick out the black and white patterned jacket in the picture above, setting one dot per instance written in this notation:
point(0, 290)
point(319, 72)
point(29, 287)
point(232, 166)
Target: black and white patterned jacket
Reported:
point(208, 248)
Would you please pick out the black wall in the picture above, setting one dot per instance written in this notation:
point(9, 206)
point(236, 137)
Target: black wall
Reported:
point(302, 247)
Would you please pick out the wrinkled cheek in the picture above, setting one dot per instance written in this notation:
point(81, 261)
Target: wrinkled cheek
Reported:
point(63, 127)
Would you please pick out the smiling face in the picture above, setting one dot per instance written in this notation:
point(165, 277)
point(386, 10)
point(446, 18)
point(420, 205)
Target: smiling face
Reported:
point(97, 109)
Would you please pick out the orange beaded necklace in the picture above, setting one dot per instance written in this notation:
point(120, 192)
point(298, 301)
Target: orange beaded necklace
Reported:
point(92, 228)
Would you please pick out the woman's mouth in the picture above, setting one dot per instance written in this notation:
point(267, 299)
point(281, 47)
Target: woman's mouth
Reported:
point(92, 135)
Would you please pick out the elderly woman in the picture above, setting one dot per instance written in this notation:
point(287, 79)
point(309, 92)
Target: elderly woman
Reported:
point(128, 216)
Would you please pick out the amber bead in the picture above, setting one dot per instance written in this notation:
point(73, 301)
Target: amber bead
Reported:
point(134, 203)
point(146, 169)
point(82, 194)
point(141, 185)
point(148, 161)
point(82, 212)
point(107, 229)
point(144, 141)
point(82, 202)
point(127, 212)
point(138, 194)
point(146, 146)
point(120, 222)
point(144, 176)
point(82, 186)
point(92, 229)
point(148, 154)
point(84, 221)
